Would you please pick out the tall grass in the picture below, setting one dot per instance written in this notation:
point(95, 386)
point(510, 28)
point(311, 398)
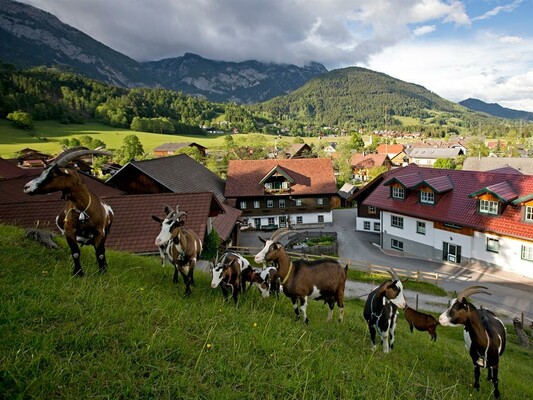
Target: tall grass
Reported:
point(132, 334)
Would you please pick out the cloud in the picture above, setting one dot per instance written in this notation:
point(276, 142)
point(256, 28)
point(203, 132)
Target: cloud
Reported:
point(424, 30)
point(495, 11)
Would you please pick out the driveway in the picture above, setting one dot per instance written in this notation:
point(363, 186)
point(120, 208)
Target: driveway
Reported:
point(512, 294)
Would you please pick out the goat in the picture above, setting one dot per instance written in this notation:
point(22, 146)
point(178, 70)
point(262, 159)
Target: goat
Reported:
point(484, 334)
point(268, 282)
point(381, 311)
point(322, 279)
point(182, 247)
point(421, 321)
point(85, 219)
point(227, 273)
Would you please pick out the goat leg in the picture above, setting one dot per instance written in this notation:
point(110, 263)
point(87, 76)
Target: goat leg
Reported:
point(75, 251)
point(477, 372)
point(100, 257)
point(295, 306)
point(495, 381)
point(175, 278)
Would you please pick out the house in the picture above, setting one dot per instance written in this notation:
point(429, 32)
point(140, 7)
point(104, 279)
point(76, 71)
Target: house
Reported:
point(455, 216)
point(524, 165)
point(170, 149)
point(269, 192)
point(30, 158)
point(426, 156)
point(133, 228)
point(363, 163)
point(298, 150)
point(330, 148)
point(10, 170)
point(396, 153)
point(347, 194)
point(178, 174)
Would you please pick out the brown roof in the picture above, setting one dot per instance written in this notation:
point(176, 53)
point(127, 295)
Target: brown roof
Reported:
point(310, 175)
point(390, 148)
point(10, 170)
point(175, 146)
point(368, 160)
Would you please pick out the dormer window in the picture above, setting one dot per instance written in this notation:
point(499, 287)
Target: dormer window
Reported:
point(528, 214)
point(398, 193)
point(427, 197)
point(488, 207)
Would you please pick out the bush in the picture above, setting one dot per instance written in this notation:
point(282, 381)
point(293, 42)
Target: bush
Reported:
point(21, 119)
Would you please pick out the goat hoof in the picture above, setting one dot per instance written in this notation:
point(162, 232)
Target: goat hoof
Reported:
point(78, 274)
point(306, 321)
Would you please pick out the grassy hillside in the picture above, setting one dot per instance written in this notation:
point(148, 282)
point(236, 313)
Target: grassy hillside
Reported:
point(131, 334)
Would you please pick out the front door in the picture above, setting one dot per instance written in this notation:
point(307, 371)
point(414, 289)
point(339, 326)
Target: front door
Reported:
point(282, 221)
point(451, 252)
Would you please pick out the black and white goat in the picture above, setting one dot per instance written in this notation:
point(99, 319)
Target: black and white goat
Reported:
point(85, 219)
point(484, 334)
point(323, 279)
point(381, 311)
point(181, 246)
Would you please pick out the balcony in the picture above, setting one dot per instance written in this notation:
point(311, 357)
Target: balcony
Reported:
point(277, 191)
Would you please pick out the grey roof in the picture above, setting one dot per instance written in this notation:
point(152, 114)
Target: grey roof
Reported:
point(430, 152)
point(524, 165)
point(180, 174)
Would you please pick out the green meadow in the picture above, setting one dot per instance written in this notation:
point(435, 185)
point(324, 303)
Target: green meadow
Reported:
point(131, 334)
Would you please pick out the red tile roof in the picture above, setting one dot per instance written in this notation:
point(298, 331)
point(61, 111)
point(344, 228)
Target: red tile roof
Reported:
point(390, 148)
point(311, 176)
point(503, 191)
point(455, 206)
point(359, 160)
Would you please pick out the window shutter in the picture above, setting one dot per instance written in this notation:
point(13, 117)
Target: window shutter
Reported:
point(445, 251)
point(458, 254)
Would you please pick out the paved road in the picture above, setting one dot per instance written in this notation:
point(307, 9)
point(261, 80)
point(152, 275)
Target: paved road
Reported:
point(512, 294)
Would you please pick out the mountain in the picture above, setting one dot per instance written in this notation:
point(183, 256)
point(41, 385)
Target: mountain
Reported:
point(32, 37)
point(244, 82)
point(358, 95)
point(496, 110)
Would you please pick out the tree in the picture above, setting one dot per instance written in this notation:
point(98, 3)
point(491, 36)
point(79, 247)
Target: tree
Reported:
point(131, 148)
point(478, 148)
point(356, 142)
point(445, 163)
point(211, 245)
point(21, 119)
point(229, 143)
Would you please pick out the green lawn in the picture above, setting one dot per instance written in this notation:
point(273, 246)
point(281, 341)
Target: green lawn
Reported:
point(130, 334)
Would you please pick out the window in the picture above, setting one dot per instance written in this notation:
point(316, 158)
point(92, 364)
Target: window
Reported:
point(527, 253)
point(398, 193)
point(256, 204)
point(366, 225)
point(427, 197)
point(396, 244)
point(271, 220)
point(298, 202)
point(421, 227)
point(372, 210)
point(299, 220)
point(257, 222)
point(451, 225)
point(488, 207)
point(321, 218)
point(493, 245)
point(528, 215)
point(243, 205)
point(396, 221)
point(377, 226)
point(320, 201)
point(281, 203)
point(285, 185)
point(268, 185)
point(270, 203)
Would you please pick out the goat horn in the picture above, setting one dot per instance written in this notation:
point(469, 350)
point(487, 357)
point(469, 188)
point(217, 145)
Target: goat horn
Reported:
point(71, 154)
point(279, 233)
point(469, 291)
point(392, 273)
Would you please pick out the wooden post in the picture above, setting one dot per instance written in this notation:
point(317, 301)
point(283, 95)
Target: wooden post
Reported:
point(437, 279)
point(416, 302)
point(417, 276)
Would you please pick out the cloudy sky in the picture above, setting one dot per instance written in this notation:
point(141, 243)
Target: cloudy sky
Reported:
point(456, 48)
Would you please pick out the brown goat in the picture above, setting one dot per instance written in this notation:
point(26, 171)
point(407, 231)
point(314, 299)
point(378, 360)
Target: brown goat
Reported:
point(421, 321)
point(320, 279)
point(85, 219)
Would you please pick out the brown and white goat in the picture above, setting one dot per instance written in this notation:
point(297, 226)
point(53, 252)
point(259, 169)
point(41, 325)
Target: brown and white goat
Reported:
point(381, 311)
point(85, 219)
point(322, 279)
point(268, 282)
point(181, 246)
point(484, 334)
point(226, 273)
point(421, 321)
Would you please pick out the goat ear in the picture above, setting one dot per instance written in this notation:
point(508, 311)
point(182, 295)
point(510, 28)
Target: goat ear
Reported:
point(157, 219)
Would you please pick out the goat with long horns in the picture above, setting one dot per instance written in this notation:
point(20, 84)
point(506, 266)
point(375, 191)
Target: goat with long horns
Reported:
point(85, 219)
point(484, 334)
